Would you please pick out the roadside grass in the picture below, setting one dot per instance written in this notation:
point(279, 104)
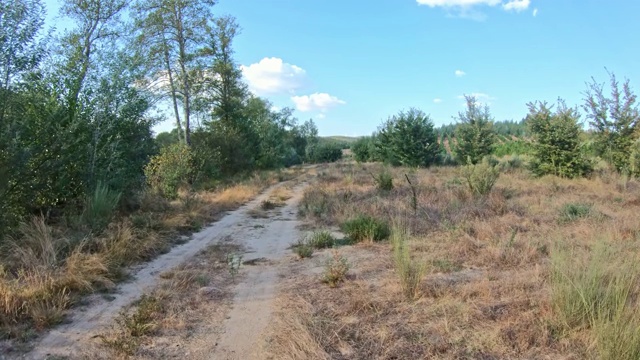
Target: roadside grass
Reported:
point(186, 297)
point(47, 266)
point(524, 268)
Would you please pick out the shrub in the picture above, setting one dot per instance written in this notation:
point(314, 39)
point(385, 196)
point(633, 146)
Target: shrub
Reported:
point(384, 180)
point(335, 270)
point(408, 139)
point(303, 249)
point(599, 294)
point(322, 240)
point(481, 177)
point(364, 149)
point(325, 153)
point(366, 228)
point(475, 136)
point(615, 121)
point(556, 147)
point(410, 271)
point(574, 211)
point(170, 170)
point(100, 207)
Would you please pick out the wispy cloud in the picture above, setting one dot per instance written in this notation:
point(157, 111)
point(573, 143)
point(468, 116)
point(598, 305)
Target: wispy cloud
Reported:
point(469, 8)
point(517, 5)
point(437, 100)
point(460, 73)
point(535, 12)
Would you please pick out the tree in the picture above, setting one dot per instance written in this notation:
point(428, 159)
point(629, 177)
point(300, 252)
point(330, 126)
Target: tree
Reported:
point(173, 33)
point(475, 136)
point(556, 141)
point(408, 139)
point(614, 120)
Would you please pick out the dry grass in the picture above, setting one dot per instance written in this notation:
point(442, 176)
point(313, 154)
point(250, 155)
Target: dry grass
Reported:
point(488, 291)
point(189, 303)
point(46, 268)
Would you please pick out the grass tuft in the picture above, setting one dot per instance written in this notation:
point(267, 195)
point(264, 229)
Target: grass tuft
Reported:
point(335, 270)
point(366, 228)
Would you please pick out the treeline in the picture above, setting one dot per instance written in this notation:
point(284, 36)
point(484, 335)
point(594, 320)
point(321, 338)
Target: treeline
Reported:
point(552, 135)
point(77, 108)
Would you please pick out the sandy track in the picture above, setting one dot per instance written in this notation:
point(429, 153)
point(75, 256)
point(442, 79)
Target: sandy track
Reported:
point(263, 238)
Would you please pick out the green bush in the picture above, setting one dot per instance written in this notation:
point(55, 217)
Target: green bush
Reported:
point(170, 170)
point(322, 240)
point(335, 270)
point(556, 141)
point(408, 139)
point(364, 149)
point(324, 153)
point(366, 228)
point(303, 249)
point(481, 177)
point(574, 211)
point(384, 180)
point(475, 136)
point(100, 207)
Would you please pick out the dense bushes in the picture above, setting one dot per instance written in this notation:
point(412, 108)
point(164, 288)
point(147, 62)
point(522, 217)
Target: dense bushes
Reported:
point(172, 168)
point(323, 153)
point(556, 141)
point(408, 139)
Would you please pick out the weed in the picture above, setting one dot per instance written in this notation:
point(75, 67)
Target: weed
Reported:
point(268, 205)
point(414, 195)
point(335, 270)
point(99, 207)
point(409, 270)
point(366, 228)
point(234, 261)
point(303, 249)
point(481, 177)
point(322, 240)
point(446, 266)
point(574, 211)
point(384, 180)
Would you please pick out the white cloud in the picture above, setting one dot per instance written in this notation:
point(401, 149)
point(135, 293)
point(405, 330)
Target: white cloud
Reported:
point(460, 73)
point(517, 5)
point(273, 76)
point(437, 100)
point(321, 116)
point(467, 8)
point(458, 3)
point(316, 102)
point(535, 12)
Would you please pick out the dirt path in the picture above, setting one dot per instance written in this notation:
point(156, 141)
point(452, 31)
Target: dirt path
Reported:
point(266, 238)
point(253, 302)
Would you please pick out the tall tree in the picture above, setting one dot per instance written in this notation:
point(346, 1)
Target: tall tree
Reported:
point(475, 136)
point(173, 33)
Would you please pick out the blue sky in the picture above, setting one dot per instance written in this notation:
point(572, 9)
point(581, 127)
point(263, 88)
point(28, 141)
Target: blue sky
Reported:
point(351, 64)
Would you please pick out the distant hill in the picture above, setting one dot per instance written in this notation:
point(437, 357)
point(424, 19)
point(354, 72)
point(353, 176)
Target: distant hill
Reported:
point(340, 138)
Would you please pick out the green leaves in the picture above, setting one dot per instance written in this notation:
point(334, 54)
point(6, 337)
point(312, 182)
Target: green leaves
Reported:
point(408, 139)
point(556, 141)
point(475, 136)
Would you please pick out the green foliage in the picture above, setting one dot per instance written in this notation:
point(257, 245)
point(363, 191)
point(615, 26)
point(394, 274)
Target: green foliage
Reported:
point(325, 153)
point(475, 136)
point(574, 211)
point(171, 169)
point(384, 180)
point(100, 207)
point(303, 249)
point(364, 149)
point(512, 147)
point(600, 294)
point(614, 120)
point(556, 141)
point(481, 177)
point(408, 139)
point(366, 228)
point(322, 240)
